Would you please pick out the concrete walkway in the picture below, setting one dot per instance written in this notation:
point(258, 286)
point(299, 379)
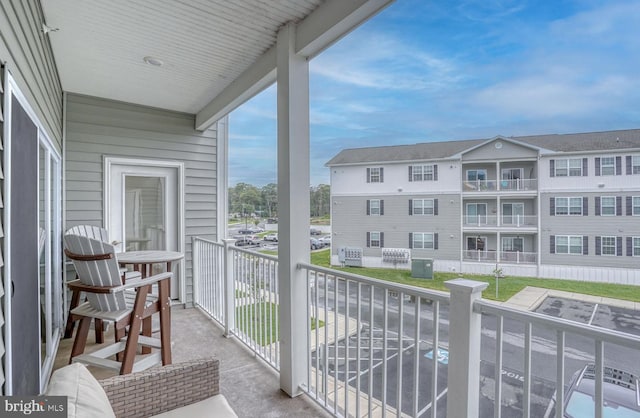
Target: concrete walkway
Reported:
point(529, 298)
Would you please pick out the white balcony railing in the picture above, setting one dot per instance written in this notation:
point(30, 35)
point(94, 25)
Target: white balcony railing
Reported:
point(473, 186)
point(480, 220)
point(518, 257)
point(479, 255)
point(370, 343)
point(507, 221)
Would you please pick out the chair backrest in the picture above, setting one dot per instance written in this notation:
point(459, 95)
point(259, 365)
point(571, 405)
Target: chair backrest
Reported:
point(96, 264)
point(89, 231)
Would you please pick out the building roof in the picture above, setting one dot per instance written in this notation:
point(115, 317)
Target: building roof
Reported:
point(578, 142)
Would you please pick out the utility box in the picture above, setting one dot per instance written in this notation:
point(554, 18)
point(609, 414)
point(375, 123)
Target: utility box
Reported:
point(350, 256)
point(422, 268)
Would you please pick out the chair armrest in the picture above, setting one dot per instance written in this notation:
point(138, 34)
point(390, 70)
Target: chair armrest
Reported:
point(144, 282)
point(160, 389)
point(78, 285)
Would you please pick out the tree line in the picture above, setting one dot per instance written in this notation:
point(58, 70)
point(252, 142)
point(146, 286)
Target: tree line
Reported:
point(247, 199)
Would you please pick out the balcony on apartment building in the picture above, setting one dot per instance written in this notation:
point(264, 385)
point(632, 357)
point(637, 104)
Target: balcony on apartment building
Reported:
point(496, 178)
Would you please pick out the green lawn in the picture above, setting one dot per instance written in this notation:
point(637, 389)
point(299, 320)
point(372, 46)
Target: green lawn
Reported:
point(508, 286)
point(259, 321)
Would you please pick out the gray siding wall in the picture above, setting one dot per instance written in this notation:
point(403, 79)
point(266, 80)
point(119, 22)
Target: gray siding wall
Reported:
point(507, 151)
point(98, 128)
point(29, 58)
point(591, 225)
point(350, 222)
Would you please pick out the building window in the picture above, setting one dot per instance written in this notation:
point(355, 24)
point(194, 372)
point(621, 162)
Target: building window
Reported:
point(568, 168)
point(608, 166)
point(427, 172)
point(635, 205)
point(473, 175)
point(423, 206)
point(375, 175)
point(568, 244)
point(636, 246)
point(608, 206)
point(633, 164)
point(512, 244)
point(423, 240)
point(570, 206)
point(608, 245)
point(374, 239)
point(375, 207)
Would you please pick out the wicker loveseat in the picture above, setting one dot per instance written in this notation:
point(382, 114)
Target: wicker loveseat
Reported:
point(189, 389)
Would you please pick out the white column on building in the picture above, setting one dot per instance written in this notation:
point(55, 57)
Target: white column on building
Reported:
point(293, 208)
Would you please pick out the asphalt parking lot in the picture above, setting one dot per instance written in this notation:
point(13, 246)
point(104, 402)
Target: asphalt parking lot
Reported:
point(604, 316)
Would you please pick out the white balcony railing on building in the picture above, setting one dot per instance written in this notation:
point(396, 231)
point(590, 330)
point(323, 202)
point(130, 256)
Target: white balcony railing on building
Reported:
point(479, 255)
point(518, 220)
point(518, 257)
point(370, 343)
point(480, 220)
point(472, 186)
point(507, 221)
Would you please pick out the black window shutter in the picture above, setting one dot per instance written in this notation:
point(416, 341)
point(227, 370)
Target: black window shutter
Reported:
point(585, 166)
point(585, 206)
point(585, 245)
point(618, 205)
point(598, 245)
point(410, 207)
point(381, 239)
point(435, 172)
point(597, 205)
point(552, 206)
point(410, 239)
point(552, 244)
point(410, 173)
point(628, 158)
point(618, 165)
point(382, 207)
point(618, 246)
point(368, 207)
point(368, 175)
point(629, 205)
point(630, 246)
point(435, 241)
point(368, 239)
point(381, 175)
point(597, 166)
point(435, 207)
point(552, 168)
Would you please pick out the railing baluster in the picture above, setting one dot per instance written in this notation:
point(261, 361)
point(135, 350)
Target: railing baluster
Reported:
point(436, 343)
point(385, 356)
point(526, 400)
point(400, 352)
point(599, 347)
point(358, 347)
point(560, 375)
point(497, 403)
point(416, 360)
point(335, 337)
point(346, 348)
point(370, 379)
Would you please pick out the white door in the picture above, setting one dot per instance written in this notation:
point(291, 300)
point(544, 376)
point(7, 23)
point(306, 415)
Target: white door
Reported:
point(144, 208)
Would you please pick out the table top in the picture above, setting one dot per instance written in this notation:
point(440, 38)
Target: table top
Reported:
point(149, 257)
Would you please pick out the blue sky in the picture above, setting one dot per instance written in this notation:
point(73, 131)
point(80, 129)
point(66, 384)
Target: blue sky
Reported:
point(426, 70)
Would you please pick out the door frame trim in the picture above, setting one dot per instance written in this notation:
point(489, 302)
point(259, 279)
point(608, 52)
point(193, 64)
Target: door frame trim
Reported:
point(109, 161)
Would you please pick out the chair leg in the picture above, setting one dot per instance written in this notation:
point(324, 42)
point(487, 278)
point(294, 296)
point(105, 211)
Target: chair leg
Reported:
point(146, 331)
point(134, 330)
point(165, 321)
point(119, 333)
point(99, 331)
point(75, 300)
point(81, 338)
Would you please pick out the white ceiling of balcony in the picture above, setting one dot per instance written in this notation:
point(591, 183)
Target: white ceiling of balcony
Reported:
point(204, 45)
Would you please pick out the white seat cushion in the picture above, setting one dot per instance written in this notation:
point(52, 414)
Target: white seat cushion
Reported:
point(85, 396)
point(215, 406)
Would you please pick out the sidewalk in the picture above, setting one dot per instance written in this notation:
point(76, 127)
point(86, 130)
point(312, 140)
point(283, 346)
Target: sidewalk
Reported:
point(529, 298)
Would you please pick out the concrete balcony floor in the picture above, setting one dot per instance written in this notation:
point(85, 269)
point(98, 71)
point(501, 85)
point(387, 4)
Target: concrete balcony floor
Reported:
point(251, 387)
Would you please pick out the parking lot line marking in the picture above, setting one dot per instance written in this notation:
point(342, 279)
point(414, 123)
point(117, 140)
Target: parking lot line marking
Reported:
point(426, 408)
point(593, 314)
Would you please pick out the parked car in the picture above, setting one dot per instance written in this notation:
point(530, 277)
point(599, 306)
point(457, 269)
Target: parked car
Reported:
point(271, 237)
point(245, 232)
point(325, 241)
point(620, 389)
point(315, 244)
point(242, 240)
point(315, 231)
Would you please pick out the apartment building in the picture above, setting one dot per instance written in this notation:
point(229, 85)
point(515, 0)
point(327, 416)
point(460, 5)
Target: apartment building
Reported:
point(563, 206)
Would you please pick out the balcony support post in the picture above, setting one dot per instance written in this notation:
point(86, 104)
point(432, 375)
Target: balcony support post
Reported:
point(464, 348)
point(229, 288)
point(293, 209)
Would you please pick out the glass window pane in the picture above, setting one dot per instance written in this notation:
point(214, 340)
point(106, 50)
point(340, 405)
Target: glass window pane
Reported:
point(145, 213)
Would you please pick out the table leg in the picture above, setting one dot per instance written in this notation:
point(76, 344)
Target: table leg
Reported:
point(165, 322)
